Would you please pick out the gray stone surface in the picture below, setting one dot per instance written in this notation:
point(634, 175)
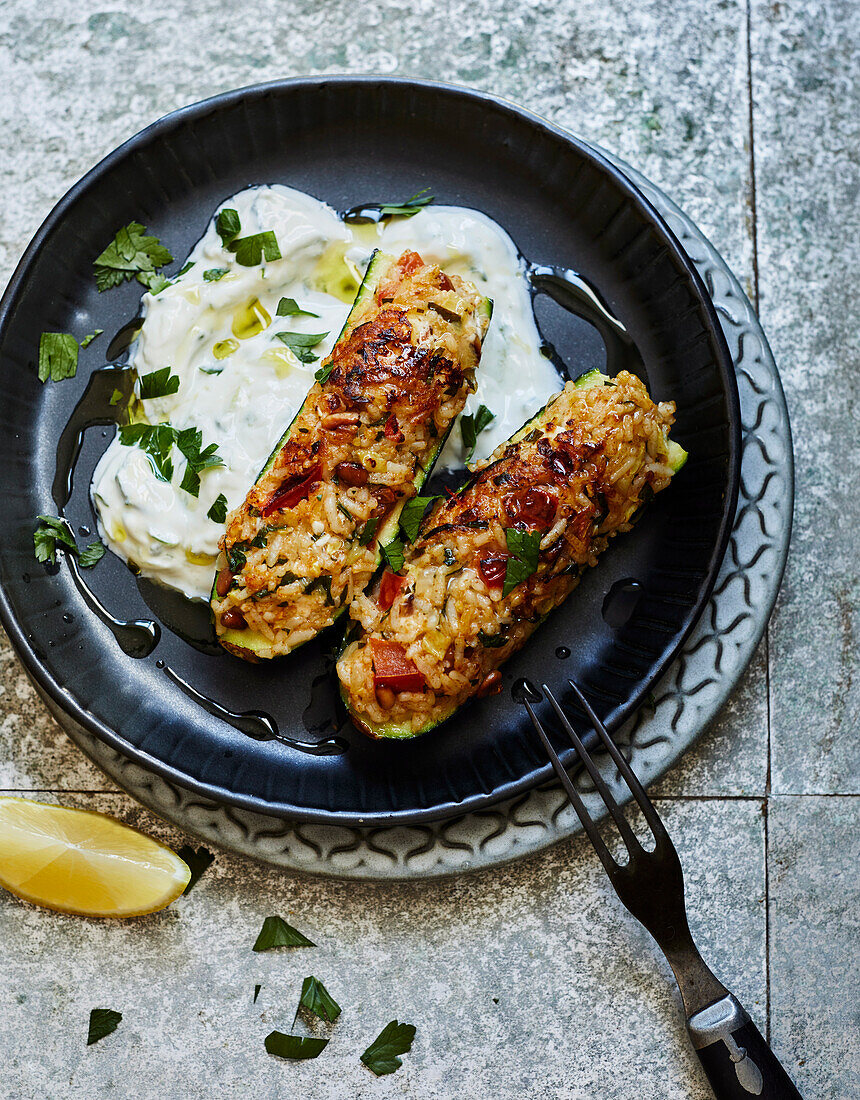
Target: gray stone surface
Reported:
point(585, 1007)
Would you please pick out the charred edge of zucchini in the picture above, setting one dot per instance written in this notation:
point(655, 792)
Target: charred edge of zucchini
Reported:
point(252, 646)
point(677, 457)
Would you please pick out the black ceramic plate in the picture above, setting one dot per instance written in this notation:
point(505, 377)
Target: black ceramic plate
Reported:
point(348, 141)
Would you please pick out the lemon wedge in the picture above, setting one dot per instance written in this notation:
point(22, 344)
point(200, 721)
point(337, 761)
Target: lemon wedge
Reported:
point(78, 861)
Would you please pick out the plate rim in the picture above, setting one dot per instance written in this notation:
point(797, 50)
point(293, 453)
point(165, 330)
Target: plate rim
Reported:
point(170, 122)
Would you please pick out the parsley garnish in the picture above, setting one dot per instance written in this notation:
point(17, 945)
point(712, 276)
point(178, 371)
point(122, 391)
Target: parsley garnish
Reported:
point(154, 281)
point(227, 225)
point(317, 999)
point(289, 307)
point(185, 268)
point(277, 933)
point(58, 356)
point(50, 531)
point(393, 554)
point(300, 344)
point(236, 558)
point(472, 426)
point(251, 250)
point(159, 383)
point(524, 548)
point(294, 1046)
point(212, 370)
point(103, 1021)
point(406, 209)
point(189, 441)
point(197, 861)
point(412, 514)
point(381, 1055)
point(322, 375)
point(87, 340)
point(368, 531)
point(156, 441)
point(130, 253)
point(213, 274)
point(218, 512)
point(92, 555)
point(491, 641)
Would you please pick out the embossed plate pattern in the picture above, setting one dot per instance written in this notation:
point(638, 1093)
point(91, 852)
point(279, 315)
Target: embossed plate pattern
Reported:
point(687, 697)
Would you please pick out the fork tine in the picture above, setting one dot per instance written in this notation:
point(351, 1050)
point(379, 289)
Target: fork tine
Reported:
point(627, 773)
point(594, 836)
point(618, 817)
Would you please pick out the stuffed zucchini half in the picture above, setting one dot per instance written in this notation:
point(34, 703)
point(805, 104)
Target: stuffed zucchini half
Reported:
point(491, 562)
point(307, 537)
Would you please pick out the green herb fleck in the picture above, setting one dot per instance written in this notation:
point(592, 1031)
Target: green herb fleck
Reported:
point(103, 1021)
point(87, 340)
point(294, 1046)
point(277, 933)
point(406, 209)
point(190, 441)
point(317, 999)
point(472, 426)
point(154, 281)
point(198, 861)
point(393, 554)
point(130, 253)
point(92, 555)
point(50, 531)
point(289, 307)
point(524, 548)
point(381, 1055)
point(227, 225)
point(491, 641)
point(412, 514)
point(58, 356)
point(251, 250)
point(158, 383)
point(213, 274)
point(236, 558)
point(344, 511)
point(212, 370)
point(368, 531)
point(116, 397)
point(218, 512)
point(156, 441)
point(322, 375)
point(300, 344)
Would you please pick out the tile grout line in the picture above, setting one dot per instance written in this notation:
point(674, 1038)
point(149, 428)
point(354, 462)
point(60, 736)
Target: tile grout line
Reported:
point(753, 203)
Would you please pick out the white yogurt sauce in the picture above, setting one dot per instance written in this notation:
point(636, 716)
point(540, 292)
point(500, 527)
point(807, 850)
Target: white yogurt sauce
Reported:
point(191, 324)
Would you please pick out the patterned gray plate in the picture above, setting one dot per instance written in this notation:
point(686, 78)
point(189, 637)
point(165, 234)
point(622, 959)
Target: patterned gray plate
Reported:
point(686, 699)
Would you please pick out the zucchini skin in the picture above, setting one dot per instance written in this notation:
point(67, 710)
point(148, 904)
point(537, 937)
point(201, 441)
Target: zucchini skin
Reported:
point(380, 346)
point(561, 458)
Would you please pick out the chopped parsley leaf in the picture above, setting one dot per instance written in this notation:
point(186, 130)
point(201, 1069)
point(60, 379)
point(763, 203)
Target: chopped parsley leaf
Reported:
point(472, 426)
point(50, 531)
point(198, 861)
point(300, 344)
point(412, 515)
point(58, 356)
point(393, 554)
point(317, 999)
point(277, 933)
point(189, 441)
point(92, 555)
point(182, 271)
point(381, 1055)
point(322, 375)
point(227, 225)
point(524, 549)
point(218, 512)
point(103, 1021)
point(368, 531)
point(408, 208)
point(154, 281)
point(294, 1046)
point(158, 383)
point(289, 307)
point(213, 274)
point(87, 340)
point(250, 251)
point(131, 252)
point(236, 558)
point(212, 370)
point(491, 641)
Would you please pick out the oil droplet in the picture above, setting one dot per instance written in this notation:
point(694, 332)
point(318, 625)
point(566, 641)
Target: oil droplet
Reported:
point(524, 691)
point(68, 618)
point(250, 319)
point(562, 653)
point(224, 348)
point(282, 359)
point(84, 531)
point(199, 559)
point(335, 274)
point(159, 664)
point(620, 602)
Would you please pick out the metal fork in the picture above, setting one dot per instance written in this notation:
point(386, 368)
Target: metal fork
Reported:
point(737, 1060)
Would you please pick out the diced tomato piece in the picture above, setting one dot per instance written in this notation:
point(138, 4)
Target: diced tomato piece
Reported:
point(535, 506)
point(392, 429)
point(409, 263)
point(389, 589)
point(293, 491)
point(492, 569)
point(393, 669)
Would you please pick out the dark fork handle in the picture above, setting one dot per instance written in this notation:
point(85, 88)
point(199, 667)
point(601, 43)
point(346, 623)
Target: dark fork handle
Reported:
point(738, 1062)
